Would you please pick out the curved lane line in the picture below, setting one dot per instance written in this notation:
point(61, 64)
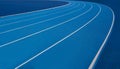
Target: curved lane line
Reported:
point(58, 41)
point(11, 42)
point(36, 23)
point(103, 44)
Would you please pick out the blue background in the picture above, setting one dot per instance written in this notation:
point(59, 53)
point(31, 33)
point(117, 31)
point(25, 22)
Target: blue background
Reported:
point(110, 57)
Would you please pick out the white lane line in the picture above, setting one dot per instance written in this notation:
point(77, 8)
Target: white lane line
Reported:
point(37, 22)
point(58, 41)
point(11, 42)
point(36, 10)
point(30, 18)
point(103, 44)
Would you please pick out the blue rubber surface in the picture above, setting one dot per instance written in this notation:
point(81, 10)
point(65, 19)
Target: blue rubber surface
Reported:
point(65, 37)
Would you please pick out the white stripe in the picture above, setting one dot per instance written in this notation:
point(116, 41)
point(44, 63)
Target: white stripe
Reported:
point(37, 22)
point(26, 19)
point(58, 41)
point(35, 10)
point(41, 30)
point(103, 44)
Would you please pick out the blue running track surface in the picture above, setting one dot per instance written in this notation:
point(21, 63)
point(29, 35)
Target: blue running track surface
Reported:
point(70, 36)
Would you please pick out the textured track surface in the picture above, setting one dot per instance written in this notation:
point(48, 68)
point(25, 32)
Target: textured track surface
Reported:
point(65, 37)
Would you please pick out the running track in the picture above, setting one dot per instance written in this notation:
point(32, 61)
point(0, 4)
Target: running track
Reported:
point(71, 36)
